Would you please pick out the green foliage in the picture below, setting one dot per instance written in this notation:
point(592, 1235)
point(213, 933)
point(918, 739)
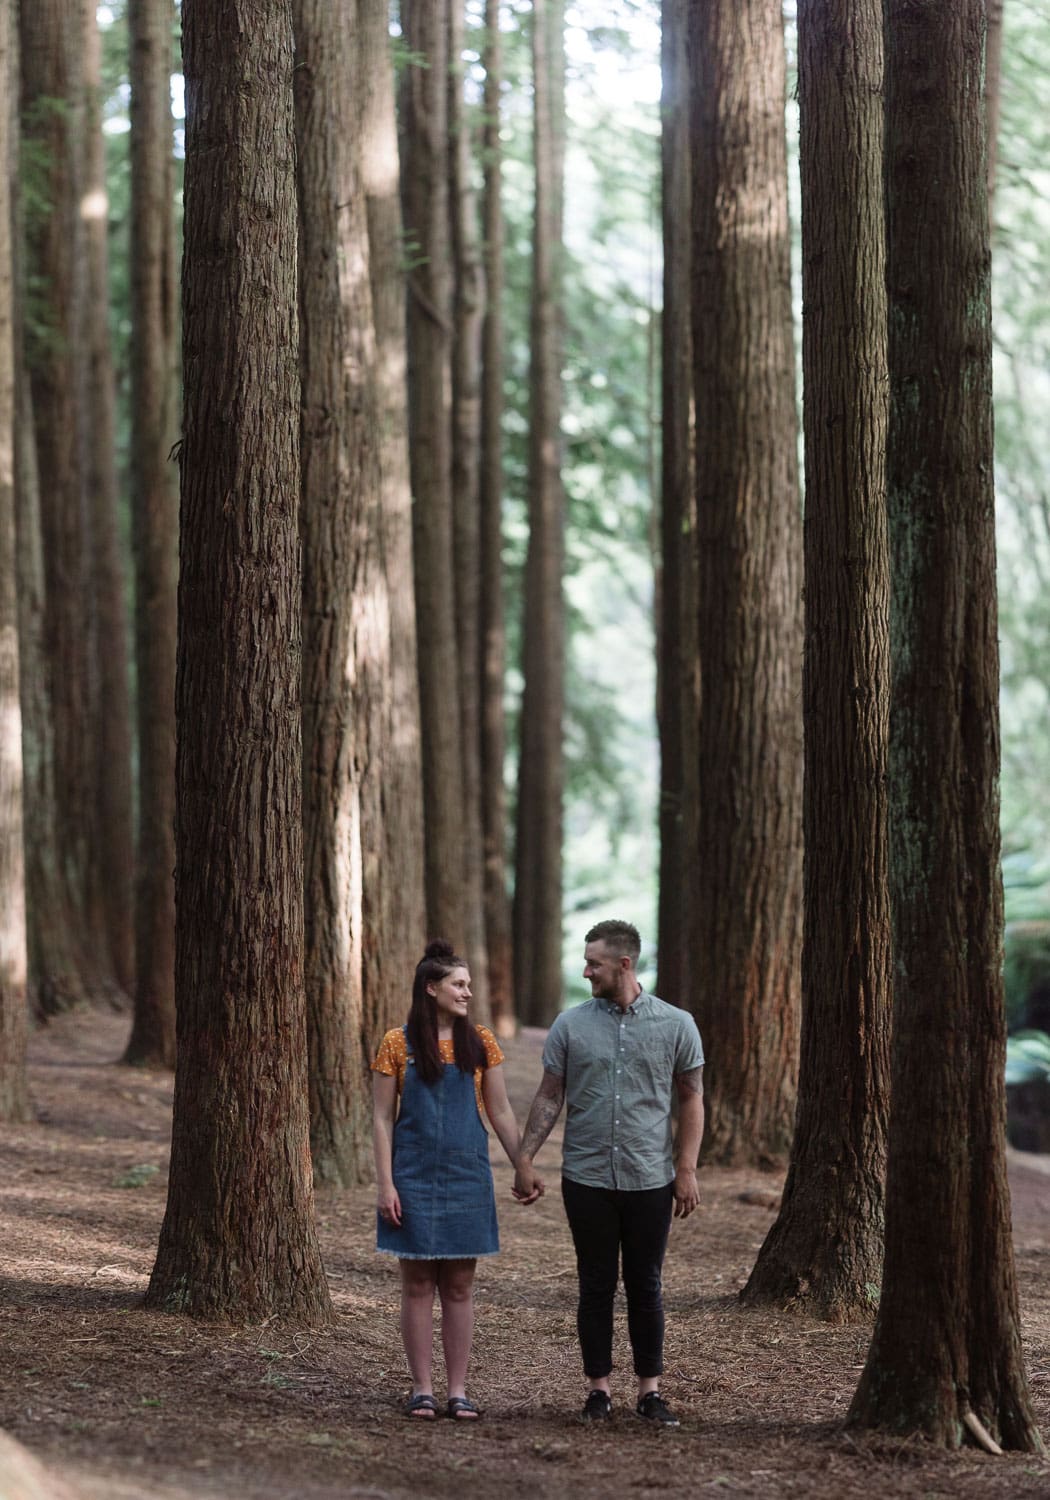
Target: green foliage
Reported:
point(1028, 1058)
point(611, 273)
point(1021, 312)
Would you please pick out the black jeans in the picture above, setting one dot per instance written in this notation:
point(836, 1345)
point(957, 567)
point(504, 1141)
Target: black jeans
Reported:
point(605, 1222)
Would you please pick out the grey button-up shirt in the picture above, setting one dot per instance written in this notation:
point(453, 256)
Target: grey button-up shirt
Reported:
point(619, 1069)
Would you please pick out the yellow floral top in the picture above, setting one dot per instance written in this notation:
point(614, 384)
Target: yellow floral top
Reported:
point(392, 1057)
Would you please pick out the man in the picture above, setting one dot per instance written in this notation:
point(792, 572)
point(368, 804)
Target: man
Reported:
point(617, 1060)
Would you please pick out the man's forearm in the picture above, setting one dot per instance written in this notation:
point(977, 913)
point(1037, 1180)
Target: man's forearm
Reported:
point(690, 1116)
point(546, 1107)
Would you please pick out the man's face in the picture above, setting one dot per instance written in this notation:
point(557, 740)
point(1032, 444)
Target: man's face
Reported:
point(605, 970)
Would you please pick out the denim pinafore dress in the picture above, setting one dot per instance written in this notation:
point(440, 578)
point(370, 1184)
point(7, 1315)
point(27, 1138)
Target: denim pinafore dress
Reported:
point(441, 1172)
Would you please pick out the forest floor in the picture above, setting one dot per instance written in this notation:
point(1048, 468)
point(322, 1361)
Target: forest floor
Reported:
point(122, 1404)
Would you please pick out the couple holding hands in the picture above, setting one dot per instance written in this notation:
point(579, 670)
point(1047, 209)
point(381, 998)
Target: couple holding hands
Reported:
point(616, 1062)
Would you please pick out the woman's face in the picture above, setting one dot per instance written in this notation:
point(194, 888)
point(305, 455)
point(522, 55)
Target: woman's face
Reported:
point(451, 995)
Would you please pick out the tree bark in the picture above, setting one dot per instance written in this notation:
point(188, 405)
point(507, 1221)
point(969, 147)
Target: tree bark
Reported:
point(112, 861)
point(154, 508)
point(14, 1013)
point(493, 631)
point(468, 311)
point(391, 961)
point(346, 630)
point(678, 687)
point(947, 1338)
point(993, 78)
point(824, 1253)
point(50, 39)
point(541, 764)
point(238, 1239)
point(747, 929)
point(424, 117)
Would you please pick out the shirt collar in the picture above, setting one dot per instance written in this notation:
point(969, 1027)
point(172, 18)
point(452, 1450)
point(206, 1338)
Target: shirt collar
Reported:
point(614, 1010)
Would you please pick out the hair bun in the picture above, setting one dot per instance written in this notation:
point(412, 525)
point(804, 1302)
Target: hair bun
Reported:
point(440, 950)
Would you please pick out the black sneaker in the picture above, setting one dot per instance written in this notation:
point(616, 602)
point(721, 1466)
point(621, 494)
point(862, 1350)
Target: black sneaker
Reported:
point(597, 1407)
point(654, 1408)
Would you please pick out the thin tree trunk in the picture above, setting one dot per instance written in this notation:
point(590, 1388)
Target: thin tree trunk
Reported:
point(677, 692)
point(541, 765)
point(14, 1013)
point(50, 39)
point(239, 1240)
point(468, 311)
point(747, 927)
point(947, 1342)
point(391, 960)
point(493, 633)
point(424, 117)
point(993, 80)
point(346, 634)
point(155, 522)
point(111, 867)
point(824, 1253)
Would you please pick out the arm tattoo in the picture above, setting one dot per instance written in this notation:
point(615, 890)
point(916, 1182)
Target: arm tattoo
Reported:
point(691, 1082)
point(546, 1107)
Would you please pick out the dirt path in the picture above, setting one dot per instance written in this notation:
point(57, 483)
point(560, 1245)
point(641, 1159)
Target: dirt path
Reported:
point(126, 1405)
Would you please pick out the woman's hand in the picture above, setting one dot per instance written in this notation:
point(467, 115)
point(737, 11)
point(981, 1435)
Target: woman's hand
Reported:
point(389, 1205)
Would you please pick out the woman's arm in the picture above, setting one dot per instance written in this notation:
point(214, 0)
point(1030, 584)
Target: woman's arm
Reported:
point(384, 1108)
point(504, 1121)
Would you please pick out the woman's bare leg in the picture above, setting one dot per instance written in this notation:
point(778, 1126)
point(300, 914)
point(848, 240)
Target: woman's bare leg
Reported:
point(455, 1284)
point(418, 1280)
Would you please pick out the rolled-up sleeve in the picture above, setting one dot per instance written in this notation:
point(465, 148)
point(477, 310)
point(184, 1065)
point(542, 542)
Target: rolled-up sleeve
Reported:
point(555, 1049)
point(689, 1050)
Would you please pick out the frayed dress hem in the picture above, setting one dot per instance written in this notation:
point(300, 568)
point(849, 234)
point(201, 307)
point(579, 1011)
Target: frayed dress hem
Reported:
point(403, 1255)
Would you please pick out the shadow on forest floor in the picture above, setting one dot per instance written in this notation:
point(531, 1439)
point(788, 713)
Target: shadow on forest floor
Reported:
point(130, 1405)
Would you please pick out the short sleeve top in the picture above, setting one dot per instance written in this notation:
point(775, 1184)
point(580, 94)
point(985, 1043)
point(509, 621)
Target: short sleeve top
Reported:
point(619, 1068)
point(392, 1057)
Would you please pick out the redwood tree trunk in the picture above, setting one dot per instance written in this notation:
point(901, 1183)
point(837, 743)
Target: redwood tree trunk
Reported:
point(677, 689)
point(154, 508)
point(947, 1340)
point(51, 39)
point(238, 1239)
point(346, 631)
point(391, 960)
point(747, 928)
point(468, 309)
point(824, 1253)
point(493, 633)
point(541, 764)
point(112, 860)
point(14, 1015)
point(424, 116)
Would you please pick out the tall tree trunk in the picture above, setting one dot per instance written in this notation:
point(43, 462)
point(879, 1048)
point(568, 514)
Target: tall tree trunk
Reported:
point(238, 1239)
point(391, 960)
point(747, 928)
point(677, 691)
point(993, 80)
point(112, 861)
point(346, 631)
point(51, 38)
point(541, 766)
point(947, 1343)
point(14, 1014)
point(155, 523)
point(490, 544)
point(424, 115)
point(468, 311)
point(824, 1253)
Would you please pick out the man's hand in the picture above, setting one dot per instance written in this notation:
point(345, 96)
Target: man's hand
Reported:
point(527, 1185)
point(686, 1192)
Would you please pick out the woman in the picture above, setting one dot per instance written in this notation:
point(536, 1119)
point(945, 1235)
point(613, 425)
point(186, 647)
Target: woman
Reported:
point(436, 1205)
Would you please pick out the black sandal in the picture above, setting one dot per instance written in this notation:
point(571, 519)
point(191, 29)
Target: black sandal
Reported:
point(421, 1408)
point(460, 1409)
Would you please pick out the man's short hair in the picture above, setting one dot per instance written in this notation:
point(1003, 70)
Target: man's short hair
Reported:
point(619, 937)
